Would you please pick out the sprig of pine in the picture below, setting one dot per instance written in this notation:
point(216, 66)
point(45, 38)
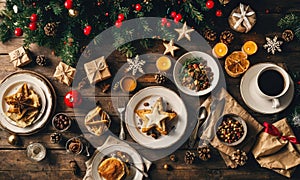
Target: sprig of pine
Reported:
point(290, 21)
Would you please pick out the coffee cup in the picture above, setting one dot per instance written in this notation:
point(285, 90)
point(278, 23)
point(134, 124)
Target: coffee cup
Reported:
point(272, 82)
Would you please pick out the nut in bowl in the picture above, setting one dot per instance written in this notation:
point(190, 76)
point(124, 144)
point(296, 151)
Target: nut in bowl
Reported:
point(231, 129)
point(61, 122)
point(196, 73)
point(74, 145)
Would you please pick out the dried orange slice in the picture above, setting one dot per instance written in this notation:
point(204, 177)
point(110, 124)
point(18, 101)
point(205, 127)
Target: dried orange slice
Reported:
point(236, 63)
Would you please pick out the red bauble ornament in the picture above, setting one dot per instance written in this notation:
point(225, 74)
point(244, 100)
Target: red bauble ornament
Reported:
point(73, 98)
point(106, 14)
point(118, 23)
point(173, 14)
point(210, 4)
point(18, 32)
point(33, 18)
point(219, 13)
point(87, 30)
point(168, 24)
point(176, 21)
point(69, 4)
point(121, 17)
point(164, 20)
point(138, 7)
point(32, 26)
point(178, 17)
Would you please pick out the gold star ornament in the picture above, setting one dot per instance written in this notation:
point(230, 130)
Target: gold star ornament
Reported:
point(170, 48)
point(184, 32)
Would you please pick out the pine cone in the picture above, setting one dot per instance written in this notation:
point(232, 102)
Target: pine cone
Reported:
point(210, 35)
point(287, 35)
point(41, 60)
point(204, 153)
point(226, 37)
point(50, 29)
point(160, 79)
point(189, 157)
point(239, 156)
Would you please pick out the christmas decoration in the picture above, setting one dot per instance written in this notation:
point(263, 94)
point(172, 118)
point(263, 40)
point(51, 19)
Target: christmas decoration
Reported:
point(33, 18)
point(64, 73)
point(184, 32)
point(239, 156)
point(20, 57)
point(41, 60)
point(73, 12)
point(15, 9)
point(189, 157)
point(291, 22)
point(242, 19)
point(18, 31)
point(50, 29)
point(287, 35)
point(178, 17)
point(73, 99)
point(87, 30)
point(273, 45)
point(226, 37)
point(166, 167)
point(210, 35)
point(138, 7)
point(210, 4)
point(13, 140)
point(219, 13)
point(204, 153)
point(173, 14)
point(32, 26)
point(118, 23)
point(160, 78)
point(173, 158)
point(97, 70)
point(121, 17)
point(170, 48)
point(68, 4)
point(135, 65)
point(55, 137)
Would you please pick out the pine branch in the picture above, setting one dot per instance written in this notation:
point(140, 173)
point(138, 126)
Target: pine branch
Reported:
point(290, 21)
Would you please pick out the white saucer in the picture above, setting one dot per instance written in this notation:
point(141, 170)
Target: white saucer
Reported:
point(255, 101)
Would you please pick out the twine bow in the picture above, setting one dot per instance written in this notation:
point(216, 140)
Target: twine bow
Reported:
point(64, 73)
point(270, 129)
point(18, 55)
point(243, 17)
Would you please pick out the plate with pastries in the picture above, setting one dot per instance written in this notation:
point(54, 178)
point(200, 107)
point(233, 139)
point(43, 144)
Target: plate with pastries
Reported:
point(114, 163)
point(27, 102)
point(156, 117)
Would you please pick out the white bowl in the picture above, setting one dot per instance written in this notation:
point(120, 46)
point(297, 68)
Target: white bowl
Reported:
point(211, 62)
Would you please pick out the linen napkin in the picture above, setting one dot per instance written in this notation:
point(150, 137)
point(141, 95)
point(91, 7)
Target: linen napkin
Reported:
point(109, 141)
point(279, 153)
point(233, 107)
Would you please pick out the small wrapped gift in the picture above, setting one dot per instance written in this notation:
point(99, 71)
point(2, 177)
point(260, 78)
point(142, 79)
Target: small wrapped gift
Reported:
point(20, 57)
point(242, 19)
point(277, 148)
point(97, 70)
point(64, 73)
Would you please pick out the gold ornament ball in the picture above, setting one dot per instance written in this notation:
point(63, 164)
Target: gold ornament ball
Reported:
point(166, 167)
point(73, 12)
point(13, 139)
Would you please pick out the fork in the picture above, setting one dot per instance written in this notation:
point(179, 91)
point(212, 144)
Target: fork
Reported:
point(121, 109)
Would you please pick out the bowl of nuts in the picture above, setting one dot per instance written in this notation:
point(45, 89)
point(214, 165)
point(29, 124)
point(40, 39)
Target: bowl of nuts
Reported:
point(61, 122)
point(231, 129)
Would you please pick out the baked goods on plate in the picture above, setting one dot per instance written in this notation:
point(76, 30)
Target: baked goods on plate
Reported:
point(112, 169)
point(97, 121)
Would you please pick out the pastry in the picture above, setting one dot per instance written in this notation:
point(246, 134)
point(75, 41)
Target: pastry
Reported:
point(97, 121)
point(111, 169)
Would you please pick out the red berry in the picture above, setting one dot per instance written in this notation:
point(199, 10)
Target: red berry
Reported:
point(298, 82)
point(73, 98)
point(68, 4)
point(164, 20)
point(121, 17)
point(18, 32)
point(176, 21)
point(138, 7)
point(267, 11)
point(106, 14)
point(168, 24)
point(32, 26)
point(98, 3)
point(219, 13)
point(118, 23)
point(173, 14)
point(87, 30)
point(33, 18)
point(210, 4)
point(178, 17)
point(162, 24)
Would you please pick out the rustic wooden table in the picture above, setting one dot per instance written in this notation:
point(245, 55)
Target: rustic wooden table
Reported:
point(14, 163)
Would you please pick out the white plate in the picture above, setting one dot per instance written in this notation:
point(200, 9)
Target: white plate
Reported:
point(34, 81)
point(255, 101)
point(134, 157)
point(150, 95)
point(211, 62)
point(12, 86)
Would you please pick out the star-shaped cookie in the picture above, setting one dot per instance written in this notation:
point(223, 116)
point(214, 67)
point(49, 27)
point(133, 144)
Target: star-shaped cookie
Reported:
point(170, 48)
point(184, 32)
point(155, 117)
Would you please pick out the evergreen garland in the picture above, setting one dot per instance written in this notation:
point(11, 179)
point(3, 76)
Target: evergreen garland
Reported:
point(292, 22)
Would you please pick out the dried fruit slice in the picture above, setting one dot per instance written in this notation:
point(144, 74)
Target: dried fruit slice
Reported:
point(236, 63)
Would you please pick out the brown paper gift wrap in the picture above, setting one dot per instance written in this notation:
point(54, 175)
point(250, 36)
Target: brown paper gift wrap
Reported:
point(97, 70)
point(242, 19)
point(64, 73)
point(19, 57)
point(275, 153)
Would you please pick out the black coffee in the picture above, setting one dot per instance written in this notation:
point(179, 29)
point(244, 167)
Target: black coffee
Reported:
point(271, 82)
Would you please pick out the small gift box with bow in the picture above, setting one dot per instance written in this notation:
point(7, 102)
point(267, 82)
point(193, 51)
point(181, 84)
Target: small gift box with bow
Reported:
point(242, 19)
point(64, 73)
point(19, 57)
point(97, 70)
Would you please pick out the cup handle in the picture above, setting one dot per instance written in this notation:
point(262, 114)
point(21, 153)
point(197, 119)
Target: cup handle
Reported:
point(276, 103)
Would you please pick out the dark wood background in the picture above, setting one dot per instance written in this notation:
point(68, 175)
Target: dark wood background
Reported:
point(15, 165)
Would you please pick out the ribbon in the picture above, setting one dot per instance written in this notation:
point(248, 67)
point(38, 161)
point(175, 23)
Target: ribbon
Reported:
point(64, 73)
point(95, 67)
point(270, 129)
point(18, 56)
point(243, 17)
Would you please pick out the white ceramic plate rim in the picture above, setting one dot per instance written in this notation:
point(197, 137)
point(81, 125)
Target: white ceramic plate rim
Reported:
point(165, 140)
point(211, 62)
point(137, 160)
